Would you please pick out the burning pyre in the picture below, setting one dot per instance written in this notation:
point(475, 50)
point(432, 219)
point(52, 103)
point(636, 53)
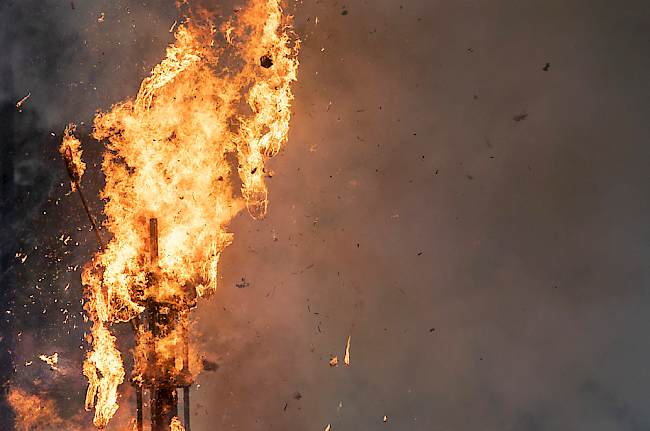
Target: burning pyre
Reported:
point(169, 195)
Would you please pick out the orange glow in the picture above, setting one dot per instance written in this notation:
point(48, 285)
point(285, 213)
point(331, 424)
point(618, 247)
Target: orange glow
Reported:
point(334, 362)
point(167, 158)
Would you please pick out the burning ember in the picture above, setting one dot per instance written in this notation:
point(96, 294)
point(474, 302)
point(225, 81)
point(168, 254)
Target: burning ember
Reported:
point(169, 195)
point(347, 352)
point(50, 360)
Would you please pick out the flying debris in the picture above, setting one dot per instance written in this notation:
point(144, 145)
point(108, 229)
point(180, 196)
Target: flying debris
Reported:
point(265, 61)
point(520, 117)
point(334, 362)
point(51, 360)
point(242, 284)
point(22, 100)
point(545, 69)
point(385, 419)
point(347, 352)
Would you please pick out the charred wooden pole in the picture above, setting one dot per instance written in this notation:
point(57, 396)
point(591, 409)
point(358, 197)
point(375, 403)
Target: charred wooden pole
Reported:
point(161, 322)
point(155, 367)
point(74, 176)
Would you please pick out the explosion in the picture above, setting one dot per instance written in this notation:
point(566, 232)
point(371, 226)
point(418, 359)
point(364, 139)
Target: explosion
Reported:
point(220, 91)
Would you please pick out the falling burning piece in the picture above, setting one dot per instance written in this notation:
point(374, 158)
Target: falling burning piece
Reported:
point(50, 360)
point(334, 362)
point(347, 352)
point(72, 152)
point(22, 100)
point(385, 419)
point(328, 427)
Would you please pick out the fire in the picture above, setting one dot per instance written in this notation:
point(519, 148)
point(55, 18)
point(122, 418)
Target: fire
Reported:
point(347, 352)
point(334, 362)
point(50, 360)
point(72, 152)
point(166, 166)
point(176, 425)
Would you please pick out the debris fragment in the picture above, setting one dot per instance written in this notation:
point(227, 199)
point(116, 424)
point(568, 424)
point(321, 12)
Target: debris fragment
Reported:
point(72, 5)
point(328, 427)
point(345, 12)
point(50, 360)
point(546, 67)
point(334, 362)
point(175, 425)
point(385, 418)
point(347, 352)
point(22, 100)
point(297, 395)
point(520, 117)
point(265, 61)
point(243, 283)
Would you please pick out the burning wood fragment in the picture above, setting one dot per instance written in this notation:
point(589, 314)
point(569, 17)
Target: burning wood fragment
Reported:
point(22, 100)
point(347, 352)
point(51, 360)
point(334, 362)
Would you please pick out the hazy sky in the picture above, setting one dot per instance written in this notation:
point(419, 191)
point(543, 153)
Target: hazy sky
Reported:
point(492, 272)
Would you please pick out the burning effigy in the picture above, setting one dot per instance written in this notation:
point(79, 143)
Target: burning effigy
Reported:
point(221, 92)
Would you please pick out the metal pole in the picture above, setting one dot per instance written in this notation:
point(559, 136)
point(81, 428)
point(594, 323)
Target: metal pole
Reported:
point(186, 368)
point(138, 393)
point(186, 405)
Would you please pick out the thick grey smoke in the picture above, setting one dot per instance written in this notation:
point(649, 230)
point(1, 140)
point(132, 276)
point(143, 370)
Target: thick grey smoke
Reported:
point(492, 272)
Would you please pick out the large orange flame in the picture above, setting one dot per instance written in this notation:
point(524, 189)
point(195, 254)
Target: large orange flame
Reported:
point(166, 158)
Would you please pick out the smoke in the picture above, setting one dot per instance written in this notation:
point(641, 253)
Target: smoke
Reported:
point(492, 272)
